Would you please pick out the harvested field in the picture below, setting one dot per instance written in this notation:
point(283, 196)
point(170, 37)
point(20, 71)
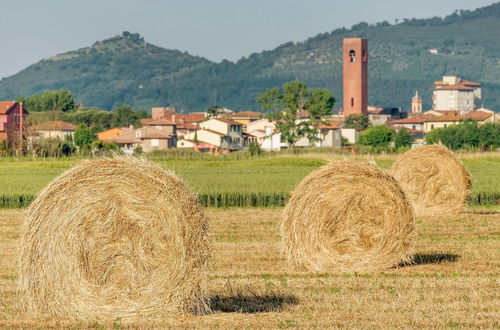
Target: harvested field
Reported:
point(454, 282)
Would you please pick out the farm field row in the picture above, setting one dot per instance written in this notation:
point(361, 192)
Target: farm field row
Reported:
point(453, 283)
point(255, 175)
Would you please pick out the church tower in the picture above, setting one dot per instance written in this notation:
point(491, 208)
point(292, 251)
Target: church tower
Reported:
point(416, 104)
point(355, 76)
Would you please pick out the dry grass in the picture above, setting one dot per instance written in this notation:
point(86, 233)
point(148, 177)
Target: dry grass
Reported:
point(114, 238)
point(348, 216)
point(434, 180)
point(454, 282)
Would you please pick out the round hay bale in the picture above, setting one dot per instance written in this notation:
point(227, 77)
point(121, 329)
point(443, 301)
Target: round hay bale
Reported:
point(114, 238)
point(434, 180)
point(348, 216)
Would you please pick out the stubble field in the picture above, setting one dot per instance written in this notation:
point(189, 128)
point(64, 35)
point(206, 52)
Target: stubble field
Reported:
point(454, 282)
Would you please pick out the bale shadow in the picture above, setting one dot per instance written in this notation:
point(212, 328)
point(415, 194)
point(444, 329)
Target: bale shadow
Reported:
point(251, 303)
point(430, 258)
point(482, 211)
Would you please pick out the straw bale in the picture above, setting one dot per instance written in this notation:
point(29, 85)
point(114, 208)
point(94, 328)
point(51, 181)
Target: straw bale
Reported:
point(114, 238)
point(348, 216)
point(434, 180)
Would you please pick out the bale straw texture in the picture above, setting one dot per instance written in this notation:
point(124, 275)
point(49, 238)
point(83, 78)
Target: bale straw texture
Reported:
point(434, 180)
point(348, 217)
point(114, 238)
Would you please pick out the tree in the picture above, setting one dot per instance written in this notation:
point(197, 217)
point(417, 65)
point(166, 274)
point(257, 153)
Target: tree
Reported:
point(254, 149)
point(359, 122)
point(214, 110)
point(125, 116)
point(402, 138)
point(377, 136)
point(284, 104)
point(434, 136)
point(49, 100)
point(489, 136)
point(83, 136)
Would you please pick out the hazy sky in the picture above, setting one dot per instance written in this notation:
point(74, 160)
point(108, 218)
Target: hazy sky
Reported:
point(31, 30)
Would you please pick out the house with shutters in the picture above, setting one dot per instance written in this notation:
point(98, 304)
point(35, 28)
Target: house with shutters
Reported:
point(217, 133)
point(12, 118)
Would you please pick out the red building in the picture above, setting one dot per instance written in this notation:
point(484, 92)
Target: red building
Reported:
point(12, 115)
point(355, 76)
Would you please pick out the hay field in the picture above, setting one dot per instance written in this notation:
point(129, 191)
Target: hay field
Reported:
point(454, 283)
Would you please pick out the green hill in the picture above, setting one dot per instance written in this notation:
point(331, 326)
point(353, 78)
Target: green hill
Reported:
point(125, 69)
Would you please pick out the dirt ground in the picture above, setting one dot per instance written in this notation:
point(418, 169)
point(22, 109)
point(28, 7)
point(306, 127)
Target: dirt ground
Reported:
point(454, 283)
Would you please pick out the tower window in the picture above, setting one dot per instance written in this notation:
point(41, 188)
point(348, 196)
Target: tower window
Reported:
point(365, 56)
point(352, 56)
point(352, 101)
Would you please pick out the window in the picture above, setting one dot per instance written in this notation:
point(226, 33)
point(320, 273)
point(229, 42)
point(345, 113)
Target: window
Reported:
point(432, 126)
point(365, 56)
point(352, 101)
point(155, 142)
point(16, 118)
point(138, 134)
point(414, 126)
point(445, 125)
point(352, 56)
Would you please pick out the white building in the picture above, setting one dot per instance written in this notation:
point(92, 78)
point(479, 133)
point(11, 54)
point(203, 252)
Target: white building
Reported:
point(350, 134)
point(456, 94)
point(217, 132)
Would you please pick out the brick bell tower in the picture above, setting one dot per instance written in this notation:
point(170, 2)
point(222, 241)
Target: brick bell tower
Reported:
point(355, 76)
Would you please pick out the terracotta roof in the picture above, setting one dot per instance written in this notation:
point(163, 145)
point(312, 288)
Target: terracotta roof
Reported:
point(474, 115)
point(410, 120)
point(123, 129)
point(452, 118)
point(54, 126)
point(156, 122)
point(477, 115)
point(454, 87)
point(445, 112)
point(187, 126)
point(302, 114)
point(156, 135)
point(376, 111)
point(5, 106)
point(209, 130)
point(146, 133)
point(331, 125)
point(245, 114)
point(125, 138)
point(184, 118)
point(470, 83)
point(227, 121)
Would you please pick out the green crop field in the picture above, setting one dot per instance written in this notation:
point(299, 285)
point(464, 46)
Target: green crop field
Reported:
point(218, 175)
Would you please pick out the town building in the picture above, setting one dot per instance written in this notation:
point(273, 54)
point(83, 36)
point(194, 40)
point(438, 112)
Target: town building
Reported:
point(161, 124)
point(355, 76)
point(244, 117)
point(53, 129)
point(379, 116)
point(441, 119)
point(416, 105)
point(161, 112)
point(456, 94)
point(148, 138)
point(112, 132)
point(12, 118)
point(217, 133)
point(350, 135)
